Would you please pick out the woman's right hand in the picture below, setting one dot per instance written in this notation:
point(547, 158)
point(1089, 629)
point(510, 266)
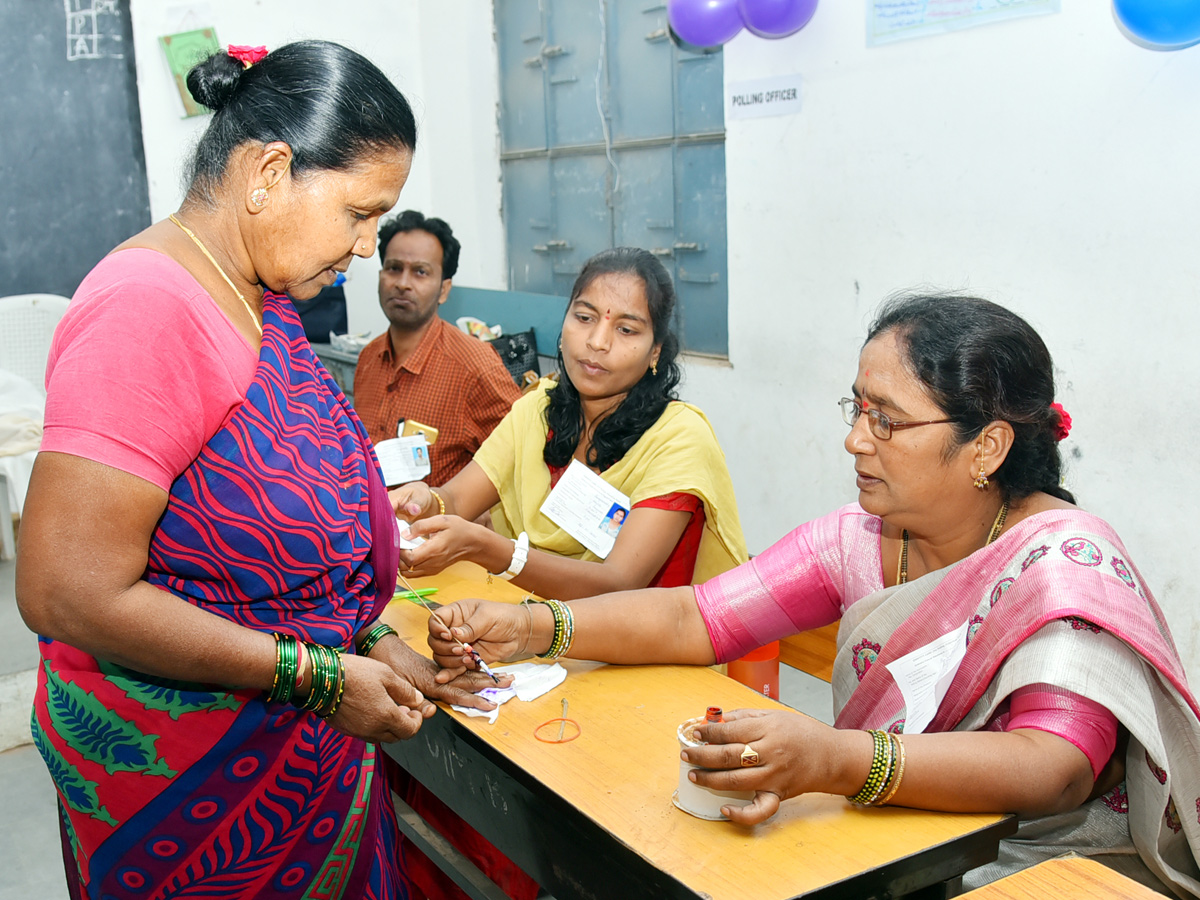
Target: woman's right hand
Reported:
point(496, 631)
point(378, 705)
point(413, 501)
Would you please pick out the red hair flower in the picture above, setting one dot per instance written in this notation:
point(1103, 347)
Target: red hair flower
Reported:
point(1063, 426)
point(247, 54)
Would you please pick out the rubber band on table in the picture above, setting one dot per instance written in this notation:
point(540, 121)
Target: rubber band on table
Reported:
point(557, 740)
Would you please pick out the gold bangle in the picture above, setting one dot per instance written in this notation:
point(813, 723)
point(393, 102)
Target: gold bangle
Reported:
point(899, 745)
point(441, 502)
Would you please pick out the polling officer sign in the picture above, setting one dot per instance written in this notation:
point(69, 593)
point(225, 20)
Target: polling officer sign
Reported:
point(777, 96)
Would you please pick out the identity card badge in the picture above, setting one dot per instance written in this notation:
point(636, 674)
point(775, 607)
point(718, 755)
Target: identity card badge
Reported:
point(587, 508)
point(403, 459)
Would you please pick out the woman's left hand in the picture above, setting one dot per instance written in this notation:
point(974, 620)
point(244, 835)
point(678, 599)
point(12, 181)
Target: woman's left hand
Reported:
point(795, 755)
point(449, 539)
point(419, 672)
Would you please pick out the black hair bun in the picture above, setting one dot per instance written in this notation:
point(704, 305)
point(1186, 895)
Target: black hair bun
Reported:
point(215, 80)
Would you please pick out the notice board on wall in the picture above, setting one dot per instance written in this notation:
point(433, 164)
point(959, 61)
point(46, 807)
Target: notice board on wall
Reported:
point(72, 166)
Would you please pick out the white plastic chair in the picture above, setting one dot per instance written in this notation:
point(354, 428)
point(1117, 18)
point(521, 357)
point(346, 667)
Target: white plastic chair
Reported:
point(27, 323)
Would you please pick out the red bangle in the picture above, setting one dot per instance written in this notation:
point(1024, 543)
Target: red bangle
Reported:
point(564, 740)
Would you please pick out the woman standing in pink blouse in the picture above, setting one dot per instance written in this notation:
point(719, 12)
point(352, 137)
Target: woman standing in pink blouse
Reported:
point(1054, 688)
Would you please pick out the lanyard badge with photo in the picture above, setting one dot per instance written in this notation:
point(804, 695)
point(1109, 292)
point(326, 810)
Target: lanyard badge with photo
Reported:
point(587, 508)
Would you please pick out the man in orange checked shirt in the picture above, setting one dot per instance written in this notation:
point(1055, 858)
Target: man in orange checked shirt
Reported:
point(423, 369)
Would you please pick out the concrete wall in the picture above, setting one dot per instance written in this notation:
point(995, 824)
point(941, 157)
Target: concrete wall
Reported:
point(1045, 163)
point(440, 53)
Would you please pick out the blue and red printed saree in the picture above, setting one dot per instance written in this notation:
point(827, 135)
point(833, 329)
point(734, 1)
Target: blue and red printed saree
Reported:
point(175, 789)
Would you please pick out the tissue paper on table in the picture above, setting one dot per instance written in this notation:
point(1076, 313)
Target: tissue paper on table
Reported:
point(530, 681)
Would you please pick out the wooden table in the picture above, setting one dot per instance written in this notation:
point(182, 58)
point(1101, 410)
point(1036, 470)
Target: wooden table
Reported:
point(1069, 878)
point(594, 818)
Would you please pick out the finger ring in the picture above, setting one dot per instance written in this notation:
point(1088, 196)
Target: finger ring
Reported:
point(749, 756)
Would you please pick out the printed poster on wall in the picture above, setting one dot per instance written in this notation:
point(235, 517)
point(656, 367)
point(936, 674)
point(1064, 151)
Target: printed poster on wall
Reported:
point(183, 51)
point(898, 20)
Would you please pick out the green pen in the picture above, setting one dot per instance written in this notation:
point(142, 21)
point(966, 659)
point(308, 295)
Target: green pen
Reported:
point(414, 595)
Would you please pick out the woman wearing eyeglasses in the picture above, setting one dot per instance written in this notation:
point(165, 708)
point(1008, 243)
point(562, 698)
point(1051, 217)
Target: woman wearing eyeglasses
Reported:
point(998, 650)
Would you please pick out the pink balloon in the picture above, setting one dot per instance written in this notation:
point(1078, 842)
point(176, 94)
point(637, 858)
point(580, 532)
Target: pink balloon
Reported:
point(704, 23)
point(776, 18)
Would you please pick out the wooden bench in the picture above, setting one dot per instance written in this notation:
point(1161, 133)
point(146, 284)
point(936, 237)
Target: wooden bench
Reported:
point(1069, 878)
point(811, 651)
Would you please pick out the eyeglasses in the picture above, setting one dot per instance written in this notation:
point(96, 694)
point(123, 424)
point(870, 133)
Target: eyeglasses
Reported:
point(881, 426)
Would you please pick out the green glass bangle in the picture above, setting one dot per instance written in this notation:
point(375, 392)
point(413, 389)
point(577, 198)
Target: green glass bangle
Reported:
point(325, 666)
point(570, 636)
point(328, 711)
point(374, 636)
point(564, 629)
point(877, 775)
point(287, 661)
point(889, 773)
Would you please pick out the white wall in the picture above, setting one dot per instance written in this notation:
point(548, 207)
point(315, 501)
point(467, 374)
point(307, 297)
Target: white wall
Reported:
point(440, 53)
point(1046, 163)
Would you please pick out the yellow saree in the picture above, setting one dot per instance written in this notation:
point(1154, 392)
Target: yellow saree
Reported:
point(678, 454)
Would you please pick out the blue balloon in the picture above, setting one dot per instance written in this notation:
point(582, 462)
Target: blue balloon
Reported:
point(704, 23)
point(1160, 24)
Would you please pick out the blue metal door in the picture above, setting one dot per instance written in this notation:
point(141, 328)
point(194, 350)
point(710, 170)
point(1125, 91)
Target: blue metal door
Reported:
point(611, 136)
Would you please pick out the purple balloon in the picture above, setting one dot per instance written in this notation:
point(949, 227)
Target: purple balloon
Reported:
point(776, 18)
point(704, 23)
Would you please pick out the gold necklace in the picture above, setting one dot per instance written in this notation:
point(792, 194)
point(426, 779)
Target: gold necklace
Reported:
point(902, 567)
point(217, 266)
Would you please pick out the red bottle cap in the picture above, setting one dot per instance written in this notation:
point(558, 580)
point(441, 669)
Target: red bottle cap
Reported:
point(714, 714)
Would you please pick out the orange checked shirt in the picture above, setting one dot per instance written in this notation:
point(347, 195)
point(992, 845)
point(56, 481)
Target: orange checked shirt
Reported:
point(452, 381)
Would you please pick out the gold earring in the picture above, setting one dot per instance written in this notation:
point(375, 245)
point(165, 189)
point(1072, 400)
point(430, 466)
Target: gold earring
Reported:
point(258, 197)
point(981, 480)
point(654, 368)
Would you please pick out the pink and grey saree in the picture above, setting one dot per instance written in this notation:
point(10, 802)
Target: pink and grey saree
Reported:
point(1055, 601)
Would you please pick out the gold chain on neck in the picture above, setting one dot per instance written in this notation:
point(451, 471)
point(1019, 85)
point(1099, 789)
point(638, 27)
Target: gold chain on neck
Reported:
point(902, 566)
point(217, 266)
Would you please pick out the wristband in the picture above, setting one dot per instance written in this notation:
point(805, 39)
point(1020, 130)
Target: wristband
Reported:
point(519, 558)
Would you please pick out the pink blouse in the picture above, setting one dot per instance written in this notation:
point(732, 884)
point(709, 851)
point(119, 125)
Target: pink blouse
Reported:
point(144, 368)
point(814, 573)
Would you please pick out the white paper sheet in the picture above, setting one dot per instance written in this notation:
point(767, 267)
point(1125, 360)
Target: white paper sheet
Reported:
point(530, 681)
point(924, 676)
point(405, 543)
point(587, 508)
point(403, 459)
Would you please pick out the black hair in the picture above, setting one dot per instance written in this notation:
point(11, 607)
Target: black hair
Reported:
point(411, 220)
point(983, 363)
point(613, 435)
point(328, 103)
